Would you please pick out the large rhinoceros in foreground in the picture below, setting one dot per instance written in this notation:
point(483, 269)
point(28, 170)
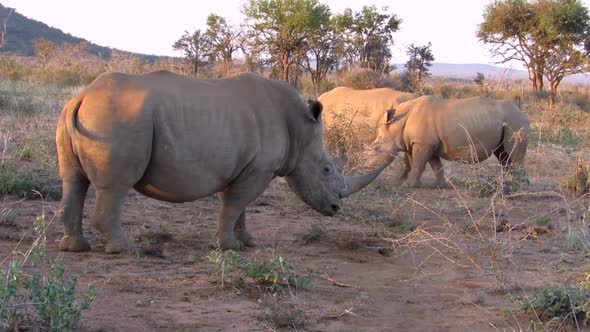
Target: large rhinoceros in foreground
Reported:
point(470, 130)
point(177, 139)
point(363, 109)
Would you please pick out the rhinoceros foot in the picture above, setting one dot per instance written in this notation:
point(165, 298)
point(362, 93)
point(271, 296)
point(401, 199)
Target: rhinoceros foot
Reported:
point(246, 239)
point(74, 243)
point(117, 245)
point(411, 184)
point(227, 243)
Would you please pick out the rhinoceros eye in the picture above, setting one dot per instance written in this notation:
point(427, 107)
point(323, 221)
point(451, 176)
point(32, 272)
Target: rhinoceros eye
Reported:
point(327, 169)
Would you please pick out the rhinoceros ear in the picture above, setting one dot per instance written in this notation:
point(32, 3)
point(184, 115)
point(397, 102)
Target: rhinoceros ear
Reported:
point(315, 108)
point(389, 116)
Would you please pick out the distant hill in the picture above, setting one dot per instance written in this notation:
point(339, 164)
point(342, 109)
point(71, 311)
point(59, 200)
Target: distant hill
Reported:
point(467, 71)
point(23, 31)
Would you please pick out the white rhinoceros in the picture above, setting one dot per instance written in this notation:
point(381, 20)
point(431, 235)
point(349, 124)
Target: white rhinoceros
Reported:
point(363, 109)
point(177, 139)
point(469, 130)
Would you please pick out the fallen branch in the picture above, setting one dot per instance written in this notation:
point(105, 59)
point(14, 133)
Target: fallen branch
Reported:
point(337, 283)
point(345, 312)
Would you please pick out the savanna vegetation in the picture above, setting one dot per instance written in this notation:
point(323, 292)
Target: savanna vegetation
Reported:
point(478, 254)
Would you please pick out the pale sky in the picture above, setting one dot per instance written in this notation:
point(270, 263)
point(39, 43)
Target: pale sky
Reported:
point(151, 27)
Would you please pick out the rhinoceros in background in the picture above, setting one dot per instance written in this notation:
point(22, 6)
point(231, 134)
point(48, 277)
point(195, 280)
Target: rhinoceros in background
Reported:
point(470, 130)
point(177, 139)
point(363, 109)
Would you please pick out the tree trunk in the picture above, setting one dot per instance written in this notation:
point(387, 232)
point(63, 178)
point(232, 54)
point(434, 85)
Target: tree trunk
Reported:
point(553, 84)
point(537, 80)
point(286, 64)
point(196, 68)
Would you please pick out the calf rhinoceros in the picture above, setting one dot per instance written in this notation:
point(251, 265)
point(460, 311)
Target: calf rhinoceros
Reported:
point(177, 139)
point(363, 109)
point(470, 130)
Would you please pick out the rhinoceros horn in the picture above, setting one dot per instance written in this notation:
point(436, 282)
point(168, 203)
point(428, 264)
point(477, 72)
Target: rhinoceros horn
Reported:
point(356, 183)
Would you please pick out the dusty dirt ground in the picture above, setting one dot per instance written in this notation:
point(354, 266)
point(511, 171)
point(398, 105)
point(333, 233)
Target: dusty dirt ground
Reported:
point(461, 269)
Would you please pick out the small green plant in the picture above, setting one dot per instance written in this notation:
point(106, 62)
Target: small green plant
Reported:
point(543, 220)
point(557, 304)
point(25, 154)
point(314, 234)
point(286, 316)
point(224, 262)
point(275, 273)
point(26, 183)
point(38, 298)
point(401, 224)
point(8, 217)
point(486, 185)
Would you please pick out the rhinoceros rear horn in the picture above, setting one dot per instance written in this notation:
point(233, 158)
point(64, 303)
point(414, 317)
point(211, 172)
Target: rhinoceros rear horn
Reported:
point(356, 183)
point(315, 108)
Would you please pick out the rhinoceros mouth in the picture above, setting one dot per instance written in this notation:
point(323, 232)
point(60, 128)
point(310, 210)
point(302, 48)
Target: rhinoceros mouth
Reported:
point(331, 210)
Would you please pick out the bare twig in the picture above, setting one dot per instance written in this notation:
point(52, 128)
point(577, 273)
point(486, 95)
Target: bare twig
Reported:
point(345, 312)
point(3, 33)
point(337, 283)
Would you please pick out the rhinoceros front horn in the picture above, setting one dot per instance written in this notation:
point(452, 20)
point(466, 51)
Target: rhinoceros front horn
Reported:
point(356, 183)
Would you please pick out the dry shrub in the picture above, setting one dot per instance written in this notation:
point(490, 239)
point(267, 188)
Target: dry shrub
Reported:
point(360, 78)
point(342, 138)
point(288, 315)
point(578, 183)
point(451, 90)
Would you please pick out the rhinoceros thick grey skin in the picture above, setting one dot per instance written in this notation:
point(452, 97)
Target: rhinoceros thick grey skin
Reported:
point(469, 130)
point(363, 109)
point(177, 139)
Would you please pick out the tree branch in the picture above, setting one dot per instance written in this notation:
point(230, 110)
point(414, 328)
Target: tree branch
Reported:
point(3, 34)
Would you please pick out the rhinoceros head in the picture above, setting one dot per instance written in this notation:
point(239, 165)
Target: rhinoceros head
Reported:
point(317, 178)
point(386, 145)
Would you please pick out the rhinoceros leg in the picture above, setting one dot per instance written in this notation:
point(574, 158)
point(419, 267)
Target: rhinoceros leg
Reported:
point(107, 219)
point(241, 232)
point(406, 167)
point(437, 168)
point(70, 212)
point(421, 154)
point(233, 216)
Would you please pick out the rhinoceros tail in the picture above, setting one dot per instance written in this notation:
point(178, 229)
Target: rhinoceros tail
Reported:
point(72, 117)
point(512, 150)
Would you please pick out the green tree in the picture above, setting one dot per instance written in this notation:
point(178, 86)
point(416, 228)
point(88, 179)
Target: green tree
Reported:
point(283, 28)
point(369, 35)
point(195, 48)
point(223, 38)
point(551, 38)
point(418, 65)
point(480, 80)
point(567, 24)
point(322, 48)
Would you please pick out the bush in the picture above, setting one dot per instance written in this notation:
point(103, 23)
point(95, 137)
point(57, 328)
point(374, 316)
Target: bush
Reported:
point(579, 182)
point(51, 295)
point(27, 183)
point(275, 273)
point(557, 304)
point(486, 185)
point(342, 137)
point(360, 78)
